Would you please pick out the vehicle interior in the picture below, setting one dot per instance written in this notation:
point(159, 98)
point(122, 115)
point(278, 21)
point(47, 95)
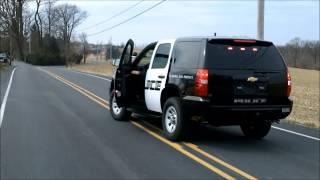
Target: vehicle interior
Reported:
point(139, 71)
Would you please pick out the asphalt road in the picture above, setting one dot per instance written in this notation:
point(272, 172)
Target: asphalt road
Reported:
point(57, 125)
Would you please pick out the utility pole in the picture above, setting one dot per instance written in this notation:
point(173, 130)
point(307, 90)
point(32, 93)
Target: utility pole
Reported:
point(111, 48)
point(97, 51)
point(260, 22)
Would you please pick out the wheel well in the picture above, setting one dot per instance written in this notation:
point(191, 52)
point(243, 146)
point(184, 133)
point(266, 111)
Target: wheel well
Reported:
point(167, 93)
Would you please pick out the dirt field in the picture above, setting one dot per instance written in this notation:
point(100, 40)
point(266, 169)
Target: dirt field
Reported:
point(305, 92)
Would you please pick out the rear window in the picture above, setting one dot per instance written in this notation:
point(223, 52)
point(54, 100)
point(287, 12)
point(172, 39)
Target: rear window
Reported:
point(187, 54)
point(243, 55)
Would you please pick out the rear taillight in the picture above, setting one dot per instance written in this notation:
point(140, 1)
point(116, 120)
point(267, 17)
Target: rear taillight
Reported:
point(289, 84)
point(201, 83)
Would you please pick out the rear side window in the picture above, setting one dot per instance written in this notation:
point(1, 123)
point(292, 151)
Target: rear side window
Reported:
point(162, 55)
point(231, 55)
point(187, 54)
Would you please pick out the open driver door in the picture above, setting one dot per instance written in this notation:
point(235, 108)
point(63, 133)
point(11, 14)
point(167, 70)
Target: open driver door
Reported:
point(123, 75)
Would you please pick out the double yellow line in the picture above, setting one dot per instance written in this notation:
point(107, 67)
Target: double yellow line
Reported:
point(183, 147)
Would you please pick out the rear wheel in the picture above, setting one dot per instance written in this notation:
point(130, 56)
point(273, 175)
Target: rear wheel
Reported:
point(256, 129)
point(118, 113)
point(174, 123)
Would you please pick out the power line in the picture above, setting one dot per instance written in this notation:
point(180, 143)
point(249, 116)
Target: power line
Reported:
point(118, 14)
point(129, 19)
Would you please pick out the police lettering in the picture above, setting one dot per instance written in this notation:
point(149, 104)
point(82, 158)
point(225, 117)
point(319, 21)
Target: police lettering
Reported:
point(153, 85)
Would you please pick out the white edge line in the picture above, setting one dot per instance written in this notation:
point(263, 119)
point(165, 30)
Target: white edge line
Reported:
point(88, 74)
point(4, 102)
point(299, 134)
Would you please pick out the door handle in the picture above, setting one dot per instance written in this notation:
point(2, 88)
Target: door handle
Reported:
point(161, 76)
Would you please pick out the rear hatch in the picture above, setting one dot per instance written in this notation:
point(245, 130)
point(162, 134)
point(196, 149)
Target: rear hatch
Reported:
point(245, 73)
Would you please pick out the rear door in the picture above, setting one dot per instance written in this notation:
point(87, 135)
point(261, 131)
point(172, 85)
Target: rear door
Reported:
point(157, 74)
point(245, 72)
point(123, 74)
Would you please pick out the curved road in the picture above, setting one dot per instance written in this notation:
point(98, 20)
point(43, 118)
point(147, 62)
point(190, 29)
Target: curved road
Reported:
point(56, 125)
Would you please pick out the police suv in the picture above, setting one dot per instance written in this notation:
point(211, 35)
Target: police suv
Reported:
point(222, 81)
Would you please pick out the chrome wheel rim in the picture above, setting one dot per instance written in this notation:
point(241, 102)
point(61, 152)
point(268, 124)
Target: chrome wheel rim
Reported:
point(171, 119)
point(115, 108)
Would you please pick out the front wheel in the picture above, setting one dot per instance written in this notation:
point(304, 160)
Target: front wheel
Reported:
point(118, 113)
point(174, 123)
point(256, 129)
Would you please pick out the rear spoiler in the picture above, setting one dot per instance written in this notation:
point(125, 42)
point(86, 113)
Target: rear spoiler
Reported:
point(243, 42)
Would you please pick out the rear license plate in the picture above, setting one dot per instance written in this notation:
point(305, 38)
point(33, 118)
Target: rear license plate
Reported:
point(249, 100)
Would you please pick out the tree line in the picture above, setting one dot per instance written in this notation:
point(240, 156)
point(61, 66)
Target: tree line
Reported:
point(301, 54)
point(41, 36)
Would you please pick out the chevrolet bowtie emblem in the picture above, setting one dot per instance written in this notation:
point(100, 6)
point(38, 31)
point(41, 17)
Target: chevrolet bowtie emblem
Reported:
point(252, 79)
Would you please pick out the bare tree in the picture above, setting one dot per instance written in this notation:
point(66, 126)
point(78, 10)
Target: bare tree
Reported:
point(69, 17)
point(313, 48)
point(11, 23)
point(38, 22)
point(50, 16)
point(294, 46)
point(83, 39)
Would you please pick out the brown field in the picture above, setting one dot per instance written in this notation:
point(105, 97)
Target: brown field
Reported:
point(305, 92)
point(105, 69)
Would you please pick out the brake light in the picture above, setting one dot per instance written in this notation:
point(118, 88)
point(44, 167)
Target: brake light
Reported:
point(201, 83)
point(244, 41)
point(289, 84)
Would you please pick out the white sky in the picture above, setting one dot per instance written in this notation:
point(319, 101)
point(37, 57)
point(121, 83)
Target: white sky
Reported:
point(284, 20)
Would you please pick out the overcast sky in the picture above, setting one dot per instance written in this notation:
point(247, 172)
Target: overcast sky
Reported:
point(284, 20)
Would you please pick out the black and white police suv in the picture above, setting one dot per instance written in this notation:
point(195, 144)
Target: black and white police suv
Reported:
point(222, 81)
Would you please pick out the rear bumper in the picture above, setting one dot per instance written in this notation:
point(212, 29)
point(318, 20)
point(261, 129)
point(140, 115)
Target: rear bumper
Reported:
point(219, 113)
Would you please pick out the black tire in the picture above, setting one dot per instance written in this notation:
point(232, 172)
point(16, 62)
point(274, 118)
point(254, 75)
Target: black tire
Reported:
point(122, 115)
point(180, 121)
point(256, 129)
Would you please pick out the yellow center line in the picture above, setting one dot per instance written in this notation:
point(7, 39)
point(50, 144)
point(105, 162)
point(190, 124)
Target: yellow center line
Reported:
point(219, 161)
point(179, 148)
point(105, 105)
point(210, 156)
point(73, 84)
point(174, 145)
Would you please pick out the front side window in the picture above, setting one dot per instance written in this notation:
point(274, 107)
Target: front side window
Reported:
point(145, 60)
point(162, 55)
